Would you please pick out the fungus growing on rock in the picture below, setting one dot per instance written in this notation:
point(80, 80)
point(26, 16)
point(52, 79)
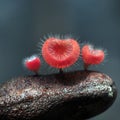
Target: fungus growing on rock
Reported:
point(91, 56)
point(60, 53)
point(32, 63)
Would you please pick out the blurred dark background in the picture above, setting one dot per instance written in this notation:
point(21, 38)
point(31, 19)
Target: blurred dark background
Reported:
point(24, 22)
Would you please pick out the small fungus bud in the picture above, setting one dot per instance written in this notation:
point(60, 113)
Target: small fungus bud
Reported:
point(33, 63)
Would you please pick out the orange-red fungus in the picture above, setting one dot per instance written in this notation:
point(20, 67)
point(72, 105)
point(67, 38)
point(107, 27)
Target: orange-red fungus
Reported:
point(60, 53)
point(92, 56)
point(32, 63)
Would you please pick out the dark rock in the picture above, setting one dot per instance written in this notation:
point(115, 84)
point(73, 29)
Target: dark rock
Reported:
point(75, 95)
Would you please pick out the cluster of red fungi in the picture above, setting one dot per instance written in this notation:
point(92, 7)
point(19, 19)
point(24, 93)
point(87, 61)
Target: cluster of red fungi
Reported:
point(62, 53)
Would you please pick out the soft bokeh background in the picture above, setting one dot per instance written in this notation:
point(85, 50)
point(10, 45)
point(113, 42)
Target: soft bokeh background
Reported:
point(24, 22)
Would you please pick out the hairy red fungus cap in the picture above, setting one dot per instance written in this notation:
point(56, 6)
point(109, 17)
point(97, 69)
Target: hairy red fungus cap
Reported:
point(32, 63)
point(92, 56)
point(60, 53)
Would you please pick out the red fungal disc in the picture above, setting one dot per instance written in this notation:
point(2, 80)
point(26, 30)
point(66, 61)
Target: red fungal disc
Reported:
point(32, 63)
point(92, 56)
point(60, 53)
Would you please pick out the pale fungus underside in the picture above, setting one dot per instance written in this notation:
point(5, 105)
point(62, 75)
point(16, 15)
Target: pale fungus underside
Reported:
point(75, 95)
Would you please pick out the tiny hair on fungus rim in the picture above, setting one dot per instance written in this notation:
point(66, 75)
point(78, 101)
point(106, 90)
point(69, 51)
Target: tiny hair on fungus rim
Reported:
point(60, 53)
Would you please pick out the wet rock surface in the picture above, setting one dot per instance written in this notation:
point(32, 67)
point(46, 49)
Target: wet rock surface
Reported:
point(75, 95)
